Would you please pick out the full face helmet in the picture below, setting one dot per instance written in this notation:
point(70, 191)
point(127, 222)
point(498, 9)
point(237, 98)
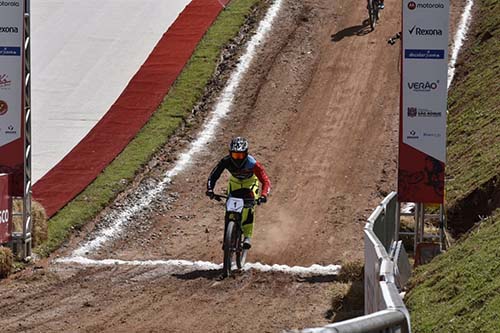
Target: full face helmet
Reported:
point(238, 150)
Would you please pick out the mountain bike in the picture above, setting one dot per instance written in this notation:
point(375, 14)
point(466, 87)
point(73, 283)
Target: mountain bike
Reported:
point(373, 7)
point(234, 253)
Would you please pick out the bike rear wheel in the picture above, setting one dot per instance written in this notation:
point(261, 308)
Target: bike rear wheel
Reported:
point(231, 241)
point(373, 13)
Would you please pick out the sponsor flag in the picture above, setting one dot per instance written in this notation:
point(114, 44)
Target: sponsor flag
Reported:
point(11, 92)
point(422, 141)
point(5, 209)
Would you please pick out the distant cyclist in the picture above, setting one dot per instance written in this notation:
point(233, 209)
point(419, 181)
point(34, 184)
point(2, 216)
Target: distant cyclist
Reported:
point(246, 173)
point(380, 4)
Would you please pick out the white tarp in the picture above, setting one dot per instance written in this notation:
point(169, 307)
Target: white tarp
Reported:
point(83, 55)
point(11, 69)
point(425, 65)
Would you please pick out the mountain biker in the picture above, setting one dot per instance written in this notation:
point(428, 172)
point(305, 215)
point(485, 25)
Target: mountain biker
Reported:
point(246, 173)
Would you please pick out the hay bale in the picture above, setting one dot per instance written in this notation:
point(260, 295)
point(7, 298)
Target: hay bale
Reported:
point(39, 232)
point(6, 260)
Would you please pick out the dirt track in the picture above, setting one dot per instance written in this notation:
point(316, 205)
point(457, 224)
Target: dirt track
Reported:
point(320, 108)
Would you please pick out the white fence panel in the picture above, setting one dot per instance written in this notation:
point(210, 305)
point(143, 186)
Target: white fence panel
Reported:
point(384, 308)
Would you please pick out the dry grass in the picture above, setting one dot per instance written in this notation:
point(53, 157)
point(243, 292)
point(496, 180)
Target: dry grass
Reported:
point(351, 271)
point(339, 292)
point(347, 295)
point(408, 225)
point(347, 301)
point(6, 260)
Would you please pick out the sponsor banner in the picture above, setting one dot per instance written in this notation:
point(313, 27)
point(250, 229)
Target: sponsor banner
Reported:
point(429, 5)
point(424, 54)
point(420, 176)
point(5, 209)
point(11, 91)
point(10, 51)
point(12, 3)
point(422, 148)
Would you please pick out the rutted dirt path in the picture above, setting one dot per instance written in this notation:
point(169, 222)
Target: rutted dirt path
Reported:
point(320, 108)
point(319, 114)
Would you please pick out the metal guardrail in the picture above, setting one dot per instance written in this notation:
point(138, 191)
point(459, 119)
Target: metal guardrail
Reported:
point(374, 322)
point(384, 307)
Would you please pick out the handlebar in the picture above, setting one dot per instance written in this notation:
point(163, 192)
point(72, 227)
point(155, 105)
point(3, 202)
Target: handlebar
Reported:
point(219, 197)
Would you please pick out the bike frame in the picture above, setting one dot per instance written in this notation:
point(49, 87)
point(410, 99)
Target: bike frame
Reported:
point(233, 243)
point(373, 12)
point(236, 218)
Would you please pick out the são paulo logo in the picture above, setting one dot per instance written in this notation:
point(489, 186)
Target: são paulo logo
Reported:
point(4, 107)
point(422, 113)
point(9, 30)
point(412, 112)
point(423, 86)
point(425, 5)
point(418, 31)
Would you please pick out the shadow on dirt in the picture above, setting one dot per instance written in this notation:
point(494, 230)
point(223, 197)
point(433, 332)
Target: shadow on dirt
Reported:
point(205, 274)
point(319, 279)
point(357, 30)
point(346, 304)
point(216, 275)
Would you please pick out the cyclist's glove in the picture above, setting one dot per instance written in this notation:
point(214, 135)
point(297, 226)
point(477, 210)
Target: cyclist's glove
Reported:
point(210, 194)
point(262, 199)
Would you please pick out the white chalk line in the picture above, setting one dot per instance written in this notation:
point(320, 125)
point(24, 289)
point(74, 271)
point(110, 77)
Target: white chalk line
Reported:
point(222, 108)
point(192, 266)
point(460, 36)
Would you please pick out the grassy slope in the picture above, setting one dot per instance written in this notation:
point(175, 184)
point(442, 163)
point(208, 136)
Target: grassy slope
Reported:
point(179, 102)
point(474, 110)
point(460, 290)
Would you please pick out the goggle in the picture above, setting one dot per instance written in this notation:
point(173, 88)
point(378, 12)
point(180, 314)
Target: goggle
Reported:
point(238, 156)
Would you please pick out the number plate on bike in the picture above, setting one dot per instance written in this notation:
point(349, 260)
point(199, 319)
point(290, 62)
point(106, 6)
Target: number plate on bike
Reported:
point(235, 205)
